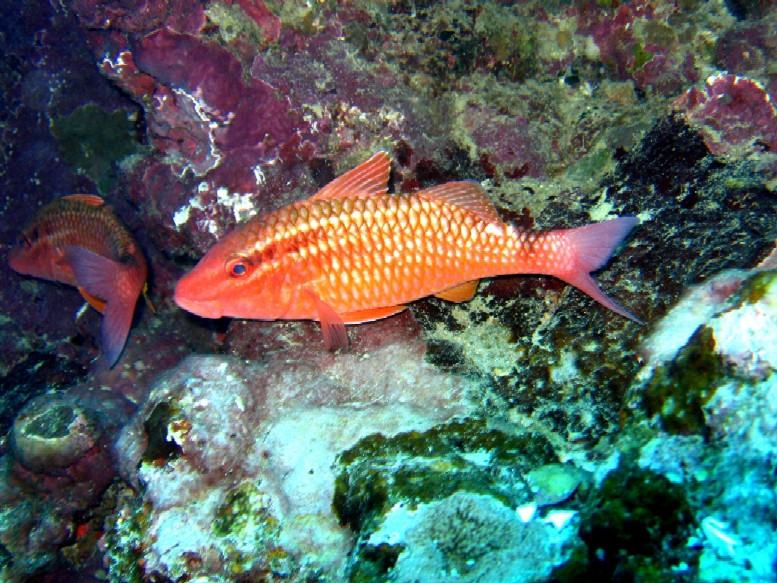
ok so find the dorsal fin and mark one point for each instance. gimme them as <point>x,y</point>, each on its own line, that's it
<point>466,195</point>
<point>369,178</point>
<point>90,199</point>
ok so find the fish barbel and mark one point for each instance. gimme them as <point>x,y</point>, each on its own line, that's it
<point>353,253</point>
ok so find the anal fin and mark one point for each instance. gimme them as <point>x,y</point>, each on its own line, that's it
<point>360,316</point>
<point>459,293</point>
<point>94,301</point>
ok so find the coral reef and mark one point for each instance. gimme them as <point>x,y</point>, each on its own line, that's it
<point>239,457</point>
<point>467,537</point>
<point>733,114</point>
<point>58,466</point>
<point>525,431</point>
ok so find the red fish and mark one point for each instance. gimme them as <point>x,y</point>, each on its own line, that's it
<point>78,241</point>
<point>353,253</point>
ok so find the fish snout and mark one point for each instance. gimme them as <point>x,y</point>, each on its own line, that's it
<point>188,297</point>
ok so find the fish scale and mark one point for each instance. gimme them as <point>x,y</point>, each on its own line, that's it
<point>62,224</point>
<point>353,253</point>
<point>392,248</point>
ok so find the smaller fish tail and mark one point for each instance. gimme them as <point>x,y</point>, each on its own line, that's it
<point>114,330</point>
<point>593,247</point>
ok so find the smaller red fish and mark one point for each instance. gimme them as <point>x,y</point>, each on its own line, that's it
<point>77,241</point>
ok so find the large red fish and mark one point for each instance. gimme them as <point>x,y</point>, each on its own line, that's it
<point>353,253</point>
<point>78,241</point>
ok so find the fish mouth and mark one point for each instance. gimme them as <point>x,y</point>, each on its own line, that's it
<point>202,308</point>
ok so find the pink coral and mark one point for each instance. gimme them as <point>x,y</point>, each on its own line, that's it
<point>734,115</point>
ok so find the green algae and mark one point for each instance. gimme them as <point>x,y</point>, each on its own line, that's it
<point>641,57</point>
<point>94,142</point>
<point>422,466</point>
<point>51,423</point>
<point>758,286</point>
<point>126,536</point>
<point>244,509</point>
<point>636,527</point>
<point>374,562</point>
<point>679,390</point>
<point>509,40</point>
<point>233,24</point>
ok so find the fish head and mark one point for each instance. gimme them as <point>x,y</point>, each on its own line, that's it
<point>233,280</point>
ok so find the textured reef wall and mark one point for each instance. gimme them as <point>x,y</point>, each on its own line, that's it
<point>526,435</point>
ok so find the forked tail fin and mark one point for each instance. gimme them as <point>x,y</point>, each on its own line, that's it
<point>593,246</point>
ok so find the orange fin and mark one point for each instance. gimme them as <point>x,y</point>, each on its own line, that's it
<point>369,315</point>
<point>94,301</point>
<point>97,274</point>
<point>460,293</point>
<point>469,196</point>
<point>332,325</point>
<point>90,199</point>
<point>593,245</point>
<point>369,178</point>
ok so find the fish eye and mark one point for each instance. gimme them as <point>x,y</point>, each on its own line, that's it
<point>23,243</point>
<point>237,267</point>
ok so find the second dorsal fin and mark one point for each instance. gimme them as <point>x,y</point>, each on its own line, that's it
<point>466,195</point>
<point>370,178</point>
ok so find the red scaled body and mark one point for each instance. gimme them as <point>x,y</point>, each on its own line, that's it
<point>77,241</point>
<point>353,253</point>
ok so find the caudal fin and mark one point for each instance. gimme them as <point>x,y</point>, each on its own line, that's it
<point>102,277</point>
<point>594,245</point>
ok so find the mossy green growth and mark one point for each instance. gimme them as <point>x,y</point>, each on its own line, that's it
<point>678,390</point>
<point>416,467</point>
<point>637,526</point>
<point>758,286</point>
<point>94,142</point>
<point>509,39</point>
<point>234,24</point>
<point>641,56</point>
<point>52,423</point>
<point>374,563</point>
<point>6,559</point>
<point>244,510</point>
<point>125,536</point>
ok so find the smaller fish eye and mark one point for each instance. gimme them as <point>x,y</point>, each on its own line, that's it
<point>23,243</point>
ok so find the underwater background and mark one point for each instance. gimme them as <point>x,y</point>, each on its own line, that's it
<point>526,435</point>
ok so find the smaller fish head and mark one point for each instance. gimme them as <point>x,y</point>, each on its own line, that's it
<point>31,255</point>
<point>20,255</point>
<point>236,283</point>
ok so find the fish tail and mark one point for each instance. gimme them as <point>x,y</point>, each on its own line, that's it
<point>108,280</point>
<point>593,246</point>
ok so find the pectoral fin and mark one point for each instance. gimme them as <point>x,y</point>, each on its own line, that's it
<point>332,325</point>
